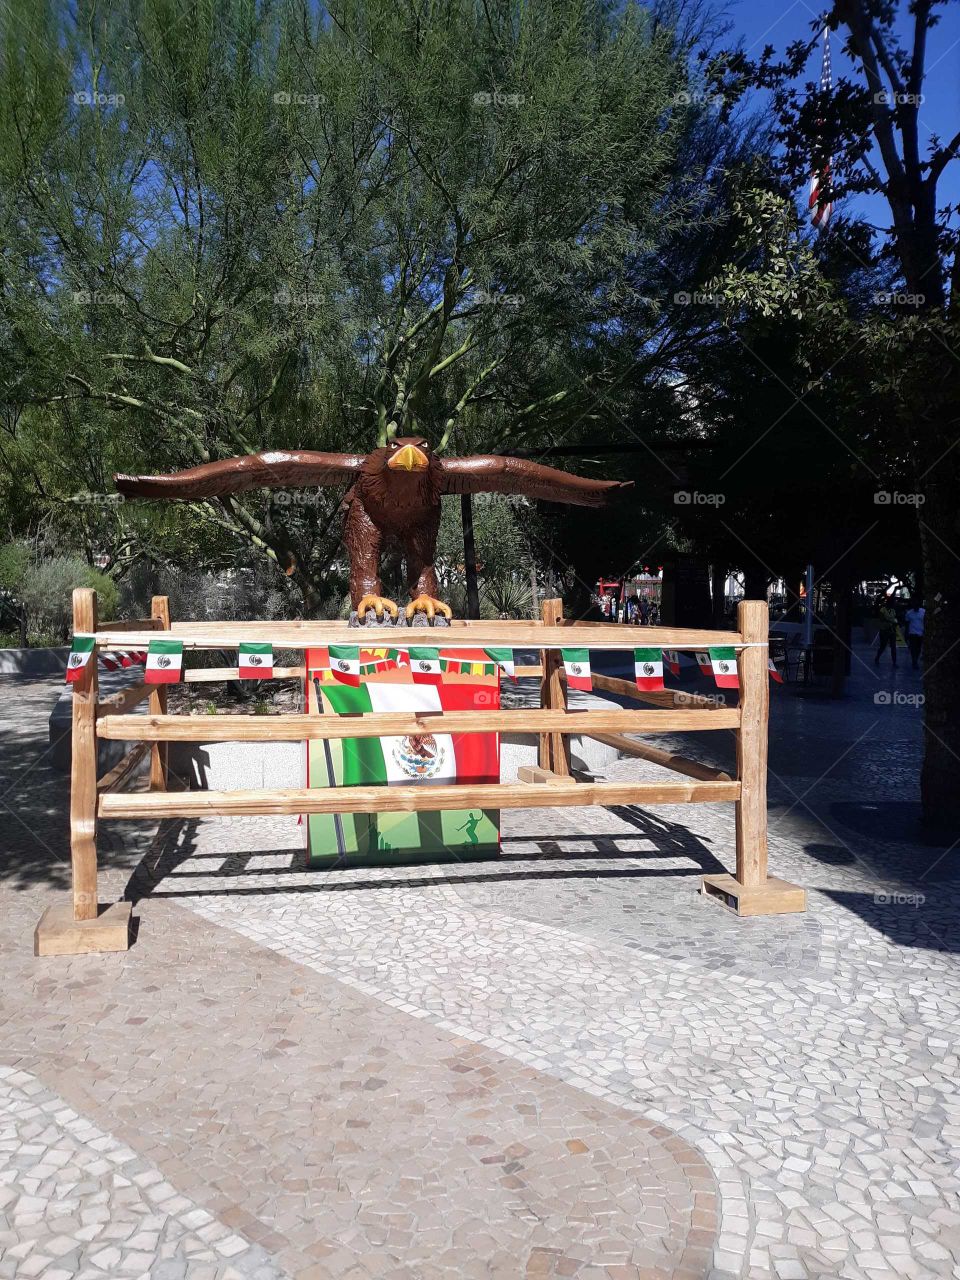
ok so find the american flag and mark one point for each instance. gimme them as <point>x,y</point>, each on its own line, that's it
<point>820,207</point>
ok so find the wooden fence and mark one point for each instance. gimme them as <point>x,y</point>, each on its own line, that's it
<point>87,925</point>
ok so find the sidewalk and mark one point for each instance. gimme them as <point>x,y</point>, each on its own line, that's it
<point>562,1062</point>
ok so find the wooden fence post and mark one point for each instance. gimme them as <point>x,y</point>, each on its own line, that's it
<point>554,747</point>
<point>159,609</point>
<point>752,891</point>
<point>83,926</point>
<point>83,767</point>
<point>753,624</point>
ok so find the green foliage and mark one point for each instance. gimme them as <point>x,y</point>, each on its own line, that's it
<point>231,227</point>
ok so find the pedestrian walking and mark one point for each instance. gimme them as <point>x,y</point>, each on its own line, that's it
<point>914,620</point>
<point>887,631</point>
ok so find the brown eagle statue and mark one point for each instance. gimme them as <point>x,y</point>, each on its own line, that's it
<point>394,496</point>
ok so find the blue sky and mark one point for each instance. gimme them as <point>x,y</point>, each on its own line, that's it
<point>779,22</point>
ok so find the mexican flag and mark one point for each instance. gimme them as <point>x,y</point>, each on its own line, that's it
<point>164,662</point>
<point>425,665</point>
<point>672,658</point>
<point>723,663</point>
<point>504,660</point>
<point>255,661</point>
<point>774,672</point>
<point>576,663</point>
<point>648,668</point>
<point>79,657</point>
<point>424,757</point>
<point>345,664</point>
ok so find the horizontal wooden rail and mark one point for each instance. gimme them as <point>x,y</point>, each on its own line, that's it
<point>668,760</point>
<point>125,700</point>
<point>123,770</point>
<point>655,697</point>
<point>133,624</point>
<point>474,635</point>
<point>205,675</point>
<point>300,728</point>
<point>413,799</point>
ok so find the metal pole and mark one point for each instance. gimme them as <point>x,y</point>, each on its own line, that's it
<point>470,556</point>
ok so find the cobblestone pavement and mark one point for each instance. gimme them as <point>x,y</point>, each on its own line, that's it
<point>559,1062</point>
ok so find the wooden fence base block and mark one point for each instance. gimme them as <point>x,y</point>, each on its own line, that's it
<point>773,898</point>
<point>533,774</point>
<point>58,934</point>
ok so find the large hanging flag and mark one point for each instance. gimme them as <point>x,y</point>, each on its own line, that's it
<point>819,202</point>
<point>79,657</point>
<point>421,757</point>
<point>164,662</point>
<point>672,658</point>
<point>774,671</point>
<point>576,663</point>
<point>504,660</point>
<point>723,664</point>
<point>425,665</point>
<point>648,668</point>
<point>255,660</point>
<point>345,663</point>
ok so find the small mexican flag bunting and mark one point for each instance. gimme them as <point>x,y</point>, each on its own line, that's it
<point>79,657</point>
<point>672,658</point>
<point>774,671</point>
<point>576,663</point>
<point>256,660</point>
<point>345,664</point>
<point>425,665</point>
<point>504,660</point>
<point>164,662</point>
<point>648,668</point>
<point>723,663</point>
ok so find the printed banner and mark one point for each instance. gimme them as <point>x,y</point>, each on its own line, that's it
<point>359,839</point>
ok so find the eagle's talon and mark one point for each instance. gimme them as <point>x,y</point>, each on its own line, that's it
<point>429,607</point>
<point>378,604</point>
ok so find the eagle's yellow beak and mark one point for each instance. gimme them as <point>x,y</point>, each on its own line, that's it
<point>409,458</point>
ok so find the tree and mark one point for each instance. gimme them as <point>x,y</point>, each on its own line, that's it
<point>232,227</point>
<point>871,127</point>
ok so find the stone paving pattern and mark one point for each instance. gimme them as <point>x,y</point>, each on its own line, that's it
<point>560,1062</point>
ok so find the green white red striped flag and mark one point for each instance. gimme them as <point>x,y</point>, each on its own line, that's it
<point>164,662</point>
<point>255,661</point>
<point>723,663</point>
<point>774,671</point>
<point>504,660</point>
<point>345,663</point>
<point>672,658</point>
<point>648,668</point>
<point>576,663</point>
<point>425,665</point>
<point>79,658</point>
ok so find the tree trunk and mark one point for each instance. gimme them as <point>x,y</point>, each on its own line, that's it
<point>470,556</point>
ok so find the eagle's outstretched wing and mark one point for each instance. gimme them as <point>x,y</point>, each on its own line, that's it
<point>299,469</point>
<point>494,474</point>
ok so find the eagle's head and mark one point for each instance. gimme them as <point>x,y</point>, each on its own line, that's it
<point>406,468</point>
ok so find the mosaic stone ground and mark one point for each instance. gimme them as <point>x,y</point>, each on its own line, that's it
<point>559,1062</point>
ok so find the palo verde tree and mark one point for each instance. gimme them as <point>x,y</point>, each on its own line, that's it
<point>235,226</point>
